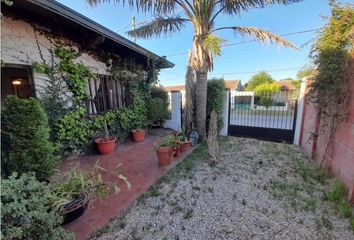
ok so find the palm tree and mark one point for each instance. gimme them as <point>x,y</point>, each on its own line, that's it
<point>202,14</point>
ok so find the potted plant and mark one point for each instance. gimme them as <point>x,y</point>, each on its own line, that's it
<point>164,150</point>
<point>71,196</point>
<point>184,142</point>
<point>106,144</point>
<point>179,140</point>
<point>139,129</point>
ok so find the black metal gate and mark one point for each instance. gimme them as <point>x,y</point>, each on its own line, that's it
<point>265,115</point>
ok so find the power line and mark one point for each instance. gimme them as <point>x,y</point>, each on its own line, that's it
<point>253,40</point>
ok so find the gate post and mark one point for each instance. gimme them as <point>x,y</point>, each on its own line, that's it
<point>225,115</point>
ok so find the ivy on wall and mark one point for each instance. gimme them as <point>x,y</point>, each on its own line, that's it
<point>331,86</point>
<point>75,130</point>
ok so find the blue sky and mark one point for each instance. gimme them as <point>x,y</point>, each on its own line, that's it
<point>240,61</point>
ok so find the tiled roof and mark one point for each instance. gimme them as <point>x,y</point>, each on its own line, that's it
<point>286,85</point>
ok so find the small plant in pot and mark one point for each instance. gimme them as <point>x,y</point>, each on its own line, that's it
<point>184,142</point>
<point>106,144</point>
<point>70,196</point>
<point>164,150</point>
<point>138,131</point>
<point>179,140</point>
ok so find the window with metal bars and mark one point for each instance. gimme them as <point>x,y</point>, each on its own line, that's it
<point>106,93</point>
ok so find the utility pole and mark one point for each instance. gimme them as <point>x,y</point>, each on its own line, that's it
<point>133,26</point>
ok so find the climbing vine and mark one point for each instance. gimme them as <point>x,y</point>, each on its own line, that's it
<point>331,86</point>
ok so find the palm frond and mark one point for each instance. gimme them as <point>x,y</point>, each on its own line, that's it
<point>159,26</point>
<point>155,6</point>
<point>238,6</point>
<point>260,35</point>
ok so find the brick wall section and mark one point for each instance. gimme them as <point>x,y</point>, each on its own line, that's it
<point>341,163</point>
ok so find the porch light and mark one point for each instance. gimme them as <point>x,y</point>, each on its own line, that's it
<point>16,82</point>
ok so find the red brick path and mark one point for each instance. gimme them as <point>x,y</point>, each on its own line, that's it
<point>139,165</point>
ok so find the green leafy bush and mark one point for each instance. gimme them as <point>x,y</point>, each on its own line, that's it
<point>267,89</point>
<point>25,139</point>
<point>25,212</point>
<point>266,92</point>
<point>158,110</point>
<point>74,130</point>
<point>216,99</point>
<point>138,109</point>
<point>158,92</point>
<point>258,79</point>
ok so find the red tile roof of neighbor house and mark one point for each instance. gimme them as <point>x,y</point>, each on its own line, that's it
<point>286,85</point>
<point>230,84</point>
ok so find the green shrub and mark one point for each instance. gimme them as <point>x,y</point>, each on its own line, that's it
<point>138,109</point>
<point>158,110</point>
<point>26,146</point>
<point>25,212</point>
<point>337,192</point>
<point>216,99</point>
<point>158,92</point>
<point>74,131</point>
<point>266,90</point>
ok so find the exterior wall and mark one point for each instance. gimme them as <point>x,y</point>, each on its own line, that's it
<point>225,129</point>
<point>175,122</point>
<point>341,161</point>
<point>19,46</point>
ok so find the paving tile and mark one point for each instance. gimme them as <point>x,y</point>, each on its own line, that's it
<point>139,165</point>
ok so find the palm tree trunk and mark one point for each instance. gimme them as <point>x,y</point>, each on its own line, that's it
<point>189,107</point>
<point>201,100</point>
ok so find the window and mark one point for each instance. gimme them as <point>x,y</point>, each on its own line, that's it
<point>106,93</point>
<point>16,80</point>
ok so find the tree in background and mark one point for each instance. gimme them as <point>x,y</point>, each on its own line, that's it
<point>202,14</point>
<point>266,92</point>
<point>259,79</point>
<point>305,71</point>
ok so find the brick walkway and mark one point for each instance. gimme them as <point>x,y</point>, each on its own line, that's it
<point>139,165</point>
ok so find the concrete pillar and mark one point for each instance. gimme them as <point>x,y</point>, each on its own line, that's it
<point>225,115</point>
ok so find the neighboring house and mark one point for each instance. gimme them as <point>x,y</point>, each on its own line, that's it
<point>233,85</point>
<point>31,28</point>
<point>286,86</point>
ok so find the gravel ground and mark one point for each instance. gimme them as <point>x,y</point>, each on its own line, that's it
<point>259,190</point>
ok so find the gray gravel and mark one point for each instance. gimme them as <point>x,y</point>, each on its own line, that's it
<point>235,200</point>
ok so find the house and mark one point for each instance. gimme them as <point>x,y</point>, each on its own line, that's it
<point>233,85</point>
<point>31,29</point>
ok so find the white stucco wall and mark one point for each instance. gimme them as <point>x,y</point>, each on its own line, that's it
<point>19,46</point>
<point>175,122</point>
<point>225,129</point>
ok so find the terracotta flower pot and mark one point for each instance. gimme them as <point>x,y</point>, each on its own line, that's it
<point>185,146</point>
<point>138,135</point>
<point>177,151</point>
<point>104,146</point>
<point>165,155</point>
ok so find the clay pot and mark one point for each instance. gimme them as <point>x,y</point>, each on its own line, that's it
<point>185,146</point>
<point>138,135</point>
<point>165,155</point>
<point>177,151</point>
<point>106,146</point>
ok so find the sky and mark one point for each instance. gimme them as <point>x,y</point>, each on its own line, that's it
<point>240,61</point>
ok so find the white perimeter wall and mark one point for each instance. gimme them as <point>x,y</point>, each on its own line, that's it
<point>175,122</point>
